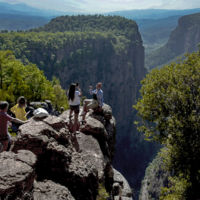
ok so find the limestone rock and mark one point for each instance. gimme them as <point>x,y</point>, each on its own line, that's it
<point>118,178</point>
<point>111,131</point>
<point>107,111</point>
<point>93,126</point>
<point>90,151</point>
<point>17,173</point>
<point>64,166</point>
<point>123,198</point>
<point>48,190</point>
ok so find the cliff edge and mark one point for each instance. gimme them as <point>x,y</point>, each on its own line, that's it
<point>47,162</point>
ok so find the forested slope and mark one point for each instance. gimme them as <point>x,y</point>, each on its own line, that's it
<point>183,39</point>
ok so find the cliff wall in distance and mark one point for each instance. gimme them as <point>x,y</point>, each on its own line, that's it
<point>183,39</point>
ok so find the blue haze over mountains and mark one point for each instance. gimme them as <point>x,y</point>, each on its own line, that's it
<point>155,25</point>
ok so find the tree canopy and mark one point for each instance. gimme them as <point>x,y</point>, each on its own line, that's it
<point>170,111</point>
<point>17,80</point>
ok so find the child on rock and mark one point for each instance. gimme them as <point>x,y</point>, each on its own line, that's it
<point>19,111</point>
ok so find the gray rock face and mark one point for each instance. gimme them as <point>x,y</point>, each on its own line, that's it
<point>118,178</point>
<point>48,190</point>
<point>90,151</point>
<point>61,165</point>
<point>16,173</point>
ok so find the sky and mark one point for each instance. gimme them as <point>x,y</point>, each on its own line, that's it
<point>104,6</point>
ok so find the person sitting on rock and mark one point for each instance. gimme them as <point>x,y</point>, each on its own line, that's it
<point>97,100</point>
<point>4,120</point>
<point>19,111</point>
<point>74,102</point>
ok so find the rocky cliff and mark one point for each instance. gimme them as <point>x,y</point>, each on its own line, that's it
<point>155,178</point>
<point>183,39</point>
<point>186,36</point>
<point>48,162</point>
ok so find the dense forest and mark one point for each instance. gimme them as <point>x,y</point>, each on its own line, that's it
<point>117,33</point>
<point>119,26</point>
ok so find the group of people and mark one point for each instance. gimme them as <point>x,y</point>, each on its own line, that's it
<point>21,116</point>
<point>74,102</point>
<point>6,120</point>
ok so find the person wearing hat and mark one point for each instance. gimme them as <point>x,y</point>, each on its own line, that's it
<point>97,100</point>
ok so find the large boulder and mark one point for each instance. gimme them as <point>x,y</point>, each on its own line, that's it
<point>50,140</point>
<point>118,178</point>
<point>48,190</point>
<point>17,173</point>
<point>90,151</point>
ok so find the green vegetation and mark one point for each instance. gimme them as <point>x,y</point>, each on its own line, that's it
<point>119,26</point>
<point>158,57</point>
<point>169,108</point>
<point>26,44</point>
<point>17,80</point>
<point>102,194</point>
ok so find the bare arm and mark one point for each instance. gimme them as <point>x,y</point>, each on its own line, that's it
<point>18,121</point>
<point>81,93</point>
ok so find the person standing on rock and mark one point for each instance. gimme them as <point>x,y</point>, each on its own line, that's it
<point>97,100</point>
<point>4,120</point>
<point>19,111</point>
<point>74,102</point>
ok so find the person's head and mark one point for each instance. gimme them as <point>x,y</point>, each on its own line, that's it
<point>21,101</point>
<point>98,86</point>
<point>4,106</point>
<point>71,92</point>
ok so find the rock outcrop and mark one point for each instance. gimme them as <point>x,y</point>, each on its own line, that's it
<point>184,38</point>
<point>155,178</point>
<point>47,162</point>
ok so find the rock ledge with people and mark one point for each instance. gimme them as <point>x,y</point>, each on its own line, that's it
<point>46,161</point>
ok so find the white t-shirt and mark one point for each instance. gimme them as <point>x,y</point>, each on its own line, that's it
<point>76,100</point>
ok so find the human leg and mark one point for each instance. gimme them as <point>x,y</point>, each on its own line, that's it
<point>75,122</point>
<point>92,104</point>
<point>5,145</point>
<point>9,142</point>
<point>85,103</point>
<point>70,114</point>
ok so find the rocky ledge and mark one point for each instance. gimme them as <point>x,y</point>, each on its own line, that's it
<point>47,162</point>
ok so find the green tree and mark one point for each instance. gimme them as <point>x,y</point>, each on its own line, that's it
<point>19,80</point>
<point>170,111</point>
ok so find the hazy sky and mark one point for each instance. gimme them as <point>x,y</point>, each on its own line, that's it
<point>101,6</point>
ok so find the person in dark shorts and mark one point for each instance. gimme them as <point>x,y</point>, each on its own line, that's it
<point>74,103</point>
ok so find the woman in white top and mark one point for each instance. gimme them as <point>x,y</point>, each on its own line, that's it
<point>74,102</point>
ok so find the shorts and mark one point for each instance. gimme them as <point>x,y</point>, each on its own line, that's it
<point>75,109</point>
<point>93,104</point>
<point>4,138</point>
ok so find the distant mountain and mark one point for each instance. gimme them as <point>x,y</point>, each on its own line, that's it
<point>183,39</point>
<point>24,9</point>
<point>21,22</point>
<point>145,24</point>
<point>152,13</point>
